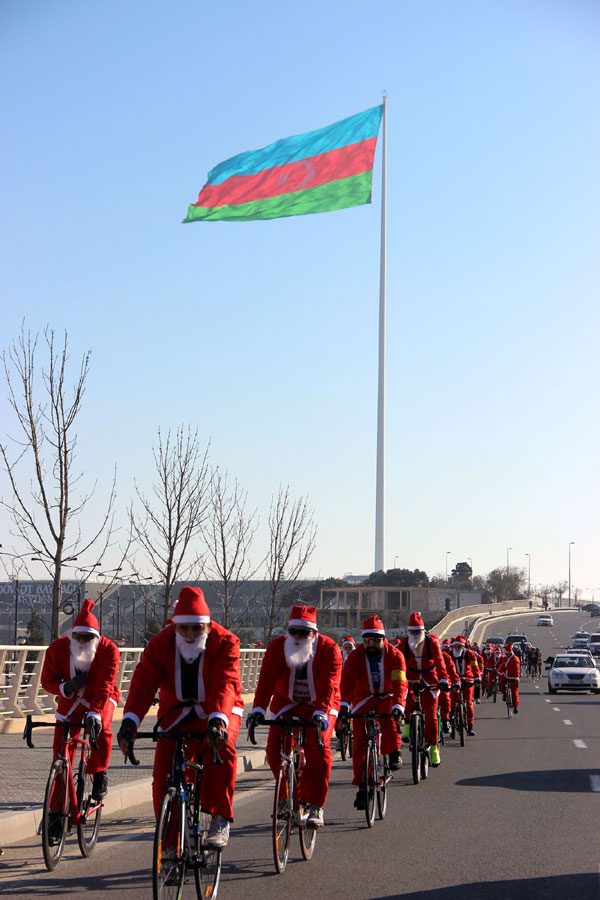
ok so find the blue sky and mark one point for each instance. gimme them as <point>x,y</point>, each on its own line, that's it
<point>264,334</point>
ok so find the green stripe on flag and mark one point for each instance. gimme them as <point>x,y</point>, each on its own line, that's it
<point>352,191</point>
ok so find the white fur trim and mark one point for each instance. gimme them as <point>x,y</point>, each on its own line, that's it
<point>259,709</point>
<point>85,629</point>
<point>191,620</point>
<point>133,718</point>
<point>379,631</point>
<point>221,716</point>
<point>94,715</point>
<point>302,623</point>
<point>237,711</point>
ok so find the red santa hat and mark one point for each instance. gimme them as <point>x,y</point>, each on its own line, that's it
<point>373,625</point>
<point>86,622</point>
<point>459,641</point>
<point>415,623</point>
<point>508,648</point>
<point>348,639</point>
<point>191,607</point>
<point>303,617</point>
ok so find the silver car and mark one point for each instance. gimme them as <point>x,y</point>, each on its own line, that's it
<point>573,672</point>
<point>580,639</point>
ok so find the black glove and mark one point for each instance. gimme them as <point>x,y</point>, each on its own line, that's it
<point>127,732</point>
<point>444,686</point>
<point>344,714</point>
<point>74,684</point>
<point>94,727</point>
<point>254,719</point>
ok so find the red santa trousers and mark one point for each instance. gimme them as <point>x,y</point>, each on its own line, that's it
<point>429,703</point>
<point>317,769</point>
<point>98,759</point>
<point>218,782</point>
<point>467,692</point>
<point>390,739</point>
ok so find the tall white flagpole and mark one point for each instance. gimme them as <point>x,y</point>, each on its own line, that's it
<point>380,487</point>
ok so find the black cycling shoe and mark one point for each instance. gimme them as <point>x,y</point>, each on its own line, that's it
<point>100,786</point>
<point>360,801</point>
<point>445,726</point>
<point>470,732</point>
<point>395,760</point>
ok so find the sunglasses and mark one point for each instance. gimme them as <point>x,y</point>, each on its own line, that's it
<point>300,632</point>
<point>370,639</point>
<point>83,637</point>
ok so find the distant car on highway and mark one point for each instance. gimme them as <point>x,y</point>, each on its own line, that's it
<point>594,645</point>
<point>496,641</point>
<point>573,672</point>
<point>545,619</point>
<point>595,613</point>
<point>580,639</point>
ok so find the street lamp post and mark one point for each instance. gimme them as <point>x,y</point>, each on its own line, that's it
<point>570,543</point>
<point>508,549</point>
<point>528,555</point>
<point>448,552</point>
<point>395,558</point>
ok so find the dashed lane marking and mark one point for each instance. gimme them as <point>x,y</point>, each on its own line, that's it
<point>581,745</point>
<point>556,708</point>
<point>548,701</point>
<point>567,721</point>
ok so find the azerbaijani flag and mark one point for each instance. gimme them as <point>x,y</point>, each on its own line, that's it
<point>330,168</point>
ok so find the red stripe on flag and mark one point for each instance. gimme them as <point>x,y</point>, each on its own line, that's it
<point>296,176</point>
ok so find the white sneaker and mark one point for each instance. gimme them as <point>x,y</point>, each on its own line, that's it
<point>315,817</point>
<point>218,833</point>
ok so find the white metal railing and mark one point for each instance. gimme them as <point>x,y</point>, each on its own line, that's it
<point>21,670</point>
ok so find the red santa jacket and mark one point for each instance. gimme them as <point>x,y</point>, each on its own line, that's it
<point>512,667</point>
<point>357,682</point>
<point>453,675</point>
<point>219,690</point>
<point>488,658</point>
<point>466,666</point>
<point>275,687</point>
<point>428,668</point>
<point>101,683</point>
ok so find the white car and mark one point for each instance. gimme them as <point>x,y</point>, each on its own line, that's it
<point>580,639</point>
<point>545,619</point>
<point>573,672</point>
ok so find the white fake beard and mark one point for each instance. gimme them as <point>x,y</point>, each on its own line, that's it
<point>346,654</point>
<point>191,651</point>
<point>83,654</point>
<point>457,653</point>
<point>298,652</point>
<point>415,642</point>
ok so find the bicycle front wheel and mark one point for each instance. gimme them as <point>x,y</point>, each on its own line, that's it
<point>344,743</point>
<point>89,810</point>
<point>55,816</point>
<point>308,839</point>
<point>416,741</point>
<point>168,866</point>
<point>282,819</point>
<point>384,776</point>
<point>460,722</point>
<point>508,700</point>
<point>370,782</point>
<point>207,862</point>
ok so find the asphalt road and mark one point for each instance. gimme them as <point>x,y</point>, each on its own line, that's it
<point>512,816</point>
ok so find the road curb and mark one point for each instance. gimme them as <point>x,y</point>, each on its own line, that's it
<point>20,825</point>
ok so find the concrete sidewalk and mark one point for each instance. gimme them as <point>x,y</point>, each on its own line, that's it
<point>24,773</point>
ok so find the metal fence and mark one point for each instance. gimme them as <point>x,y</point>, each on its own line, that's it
<point>21,670</point>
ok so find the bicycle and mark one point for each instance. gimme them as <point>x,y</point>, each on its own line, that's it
<point>67,802</point>
<point>288,808</point>
<point>458,718</point>
<point>346,740</point>
<point>417,746</point>
<point>509,700</point>
<point>181,827</point>
<point>376,773</point>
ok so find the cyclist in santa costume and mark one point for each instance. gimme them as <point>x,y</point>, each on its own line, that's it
<point>81,670</point>
<point>300,676</point>
<point>194,665</point>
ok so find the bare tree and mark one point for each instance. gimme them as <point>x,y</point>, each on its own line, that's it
<point>292,541</point>
<point>46,513</point>
<point>173,517</point>
<point>228,535</point>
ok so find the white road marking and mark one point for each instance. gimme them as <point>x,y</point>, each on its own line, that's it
<point>548,701</point>
<point>581,745</point>
<point>556,708</point>
<point>567,721</point>
<point>595,780</point>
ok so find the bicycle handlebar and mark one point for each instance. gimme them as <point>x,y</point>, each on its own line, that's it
<point>397,717</point>
<point>212,733</point>
<point>287,723</point>
<point>64,724</point>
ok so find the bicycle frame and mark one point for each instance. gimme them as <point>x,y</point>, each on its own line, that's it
<point>377,773</point>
